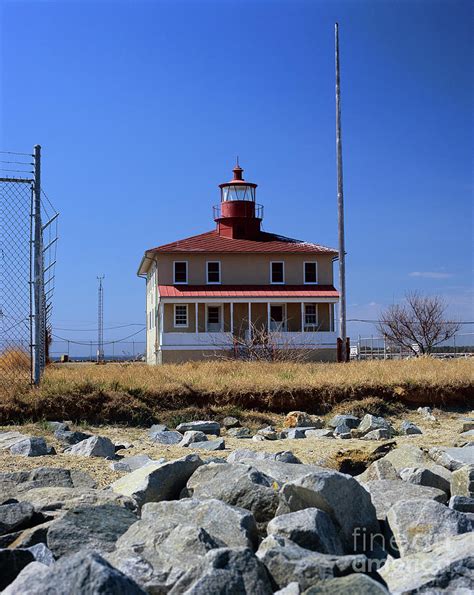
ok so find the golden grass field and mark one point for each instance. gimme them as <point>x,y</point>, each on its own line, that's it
<point>138,394</point>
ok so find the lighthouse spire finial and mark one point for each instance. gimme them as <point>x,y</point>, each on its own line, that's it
<point>237,171</point>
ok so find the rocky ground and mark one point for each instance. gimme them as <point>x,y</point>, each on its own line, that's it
<point>306,505</point>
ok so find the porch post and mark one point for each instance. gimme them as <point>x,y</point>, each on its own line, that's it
<point>302,317</point>
<point>268,317</point>
<point>250,319</point>
<point>196,314</point>
<point>231,318</point>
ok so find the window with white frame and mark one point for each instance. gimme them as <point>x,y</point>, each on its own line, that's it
<point>277,272</point>
<point>181,315</point>
<point>213,272</point>
<point>180,272</point>
<point>310,317</point>
<point>311,272</point>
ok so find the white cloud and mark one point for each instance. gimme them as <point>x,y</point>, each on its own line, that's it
<point>431,275</point>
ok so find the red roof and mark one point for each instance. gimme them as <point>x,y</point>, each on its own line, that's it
<point>212,242</point>
<point>225,291</point>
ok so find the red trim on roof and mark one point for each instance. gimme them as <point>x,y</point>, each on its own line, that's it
<point>194,291</point>
<point>212,242</point>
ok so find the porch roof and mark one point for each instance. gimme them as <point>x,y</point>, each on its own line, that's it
<point>248,291</point>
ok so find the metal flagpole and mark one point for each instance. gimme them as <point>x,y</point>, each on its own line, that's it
<point>340,206</point>
<point>38,354</point>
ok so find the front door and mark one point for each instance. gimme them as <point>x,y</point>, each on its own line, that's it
<point>214,323</point>
<point>277,317</point>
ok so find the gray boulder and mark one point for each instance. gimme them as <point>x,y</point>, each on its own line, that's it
<point>167,437</point>
<point>15,516</point>
<point>30,447</point>
<point>319,434</point>
<point>380,434</point>
<point>208,427</point>
<point>453,458</point>
<point>342,429</point>
<point>12,562</point>
<point>290,589</point>
<point>448,567</point>
<point>310,528</point>
<point>223,570</point>
<point>381,469</point>
<point>230,422</point>
<point>66,436</point>
<point>46,500</point>
<point>351,421</point>
<point>386,492</point>
<point>408,455</point>
<point>242,454</point>
<point>408,428</point>
<point>436,477</point>
<point>418,524</point>
<point>129,464</point>
<point>238,485</point>
<point>25,582</point>
<point>89,527</point>
<point>370,423</point>
<point>296,433</point>
<point>281,472</point>
<point>157,481</point>
<point>342,497</point>
<point>8,439</point>
<point>155,428</point>
<point>268,433</point>
<point>462,481</point>
<point>42,554</point>
<point>96,446</point>
<point>353,584</point>
<point>84,573</point>
<point>462,504</point>
<point>218,444</point>
<point>192,436</point>
<point>241,433</point>
<point>287,562</point>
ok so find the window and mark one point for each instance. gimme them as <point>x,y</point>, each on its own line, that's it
<point>310,317</point>
<point>213,319</point>
<point>310,272</point>
<point>277,272</point>
<point>214,272</point>
<point>180,315</point>
<point>180,272</point>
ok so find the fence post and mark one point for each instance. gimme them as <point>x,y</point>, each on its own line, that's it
<point>38,354</point>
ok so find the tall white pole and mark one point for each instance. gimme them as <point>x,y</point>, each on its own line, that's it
<point>340,205</point>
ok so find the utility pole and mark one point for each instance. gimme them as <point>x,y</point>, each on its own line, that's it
<point>39,315</point>
<point>340,207</point>
<point>100,322</point>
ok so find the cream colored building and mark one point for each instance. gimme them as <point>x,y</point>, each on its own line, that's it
<point>235,286</point>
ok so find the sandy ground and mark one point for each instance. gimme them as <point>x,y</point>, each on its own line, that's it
<point>443,432</point>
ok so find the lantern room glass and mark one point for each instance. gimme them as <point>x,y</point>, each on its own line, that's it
<point>238,192</point>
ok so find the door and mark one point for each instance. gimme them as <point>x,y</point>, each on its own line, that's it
<point>214,320</point>
<point>277,317</point>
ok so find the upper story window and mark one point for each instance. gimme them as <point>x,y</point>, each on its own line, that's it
<point>311,272</point>
<point>180,272</point>
<point>213,272</point>
<point>277,272</point>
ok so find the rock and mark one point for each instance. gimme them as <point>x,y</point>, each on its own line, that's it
<point>81,479</point>
<point>319,434</point>
<point>465,439</point>
<point>350,421</point>
<point>54,426</point>
<point>295,433</point>
<point>426,413</point>
<point>370,423</point>
<point>30,447</point>
<point>290,589</point>
<point>342,429</point>
<point>8,439</point>
<point>96,446</point>
<point>84,573</point>
<point>208,427</point>
<point>12,563</point>
<point>133,463</point>
<point>239,433</point>
<point>299,419</point>
<point>269,433</point>
<point>167,437</point>
<point>288,562</point>
<point>447,568</point>
<point>462,503</point>
<point>192,436</point>
<point>70,437</point>
<point>453,458</point>
<point>419,524</point>
<point>284,456</point>
<point>341,496</point>
<point>27,537</point>
<point>157,428</point>
<point>53,499</point>
<point>310,528</point>
<point>436,477</point>
<point>353,584</point>
<point>42,554</point>
<point>408,456</point>
<point>157,481</point>
<point>407,428</point>
<point>462,481</point>
<point>15,516</point>
<point>281,472</point>
<point>467,425</point>
<point>223,570</point>
<point>381,434</point>
<point>238,485</point>
<point>25,582</point>
<point>122,445</point>
<point>230,422</point>
<point>386,492</point>
<point>89,527</point>
<point>258,438</point>
<point>381,469</point>
<point>218,444</point>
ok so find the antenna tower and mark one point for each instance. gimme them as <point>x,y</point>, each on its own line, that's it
<point>100,322</point>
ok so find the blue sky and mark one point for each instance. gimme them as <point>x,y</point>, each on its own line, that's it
<point>141,108</point>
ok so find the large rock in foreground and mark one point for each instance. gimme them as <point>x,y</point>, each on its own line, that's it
<point>453,458</point>
<point>157,481</point>
<point>448,567</point>
<point>352,584</point>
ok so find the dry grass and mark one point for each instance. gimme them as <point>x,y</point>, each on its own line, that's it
<point>139,394</point>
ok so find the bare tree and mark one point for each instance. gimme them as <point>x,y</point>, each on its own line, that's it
<point>418,325</point>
